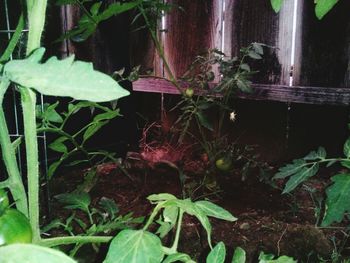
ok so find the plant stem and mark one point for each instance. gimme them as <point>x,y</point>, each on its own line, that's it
<point>36,20</point>
<point>28,101</point>
<point>178,230</point>
<point>153,215</point>
<point>14,40</point>
<point>57,241</point>
<point>14,181</point>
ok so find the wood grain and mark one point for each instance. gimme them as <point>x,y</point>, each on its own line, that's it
<point>191,31</point>
<point>281,93</point>
<point>325,46</point>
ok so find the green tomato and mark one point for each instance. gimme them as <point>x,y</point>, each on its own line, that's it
<point>4,200</point>
<point>189,92</point>
<point>223,164</point>
<point>14,228</point>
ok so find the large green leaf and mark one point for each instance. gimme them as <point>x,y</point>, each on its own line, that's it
<point>67,78</point>
<point>338,196</point>
<point>135,246</point>
<point>323,7</point>
<point>214,210</point>
<point>217,254</point>
<point>28,253</point>
<point>300,177</point>
<point>239,256</point>
<point>276,5</point>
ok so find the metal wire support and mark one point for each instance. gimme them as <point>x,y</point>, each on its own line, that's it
<point>12,108</point>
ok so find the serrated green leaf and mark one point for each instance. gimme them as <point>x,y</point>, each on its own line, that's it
<point>315,155</point>
<point>67,78</point>
<point>135,246</point>
<point>338,196</point>
<point>276,5</point>
<point>214,210</point>
<point>300,177</point>
<point>29,253</point>
<point>58,145</point>
<point>239,256</point>
<point>323,7</point>
<point>290,169</point>
<point>93,128</point>
<point>346,164</point>
<point>106,116</point>
<point>178,257</point>
<point>75,200</point>
<point>217,254</point>
<point>347,148</point>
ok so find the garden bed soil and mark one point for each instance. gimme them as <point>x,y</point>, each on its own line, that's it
<point>267,221</point>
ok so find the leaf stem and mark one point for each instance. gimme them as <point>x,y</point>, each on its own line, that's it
<point>178,230</point>
<point>57,241</point>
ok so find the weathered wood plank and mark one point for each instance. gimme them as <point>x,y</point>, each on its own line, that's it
<point>326,42</point>
<point>190,31</point>
<point>282,93</point>
<point>248,21</point>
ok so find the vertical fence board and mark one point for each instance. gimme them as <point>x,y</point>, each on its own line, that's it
<point>191,31</point>
<point>325,51</point>
<point>248,21</point>
<point>142,49</point>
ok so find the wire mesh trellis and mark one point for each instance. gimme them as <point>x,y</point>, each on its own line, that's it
<point>9,14</point>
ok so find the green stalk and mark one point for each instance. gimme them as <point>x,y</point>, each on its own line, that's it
<point>28,100</point>
<point>178,230</point>
<point>36,20</point>
<point>14,181</point>
<point>57,241</point>
<point>14,40</point>
<point>36,12</point>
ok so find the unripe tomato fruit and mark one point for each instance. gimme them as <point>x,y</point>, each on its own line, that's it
<point>14,227</point>
<point>223,164</point>
<point>189,92</point>
<point>4,200</point>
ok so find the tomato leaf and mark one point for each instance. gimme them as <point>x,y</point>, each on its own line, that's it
<point>32,254</point>
<point>239,256</point>
<point>131,246</point>
<point>276,5</point>
<point>323,7</point>
<point>338,196</point>
<point>213,210</point>
<point>65,77</point>
<point>217,254</point>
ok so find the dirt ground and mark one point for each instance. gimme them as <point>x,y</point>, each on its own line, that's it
<point>267,221</point>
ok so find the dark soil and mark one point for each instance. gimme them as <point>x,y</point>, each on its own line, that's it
<point>267,221</point>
